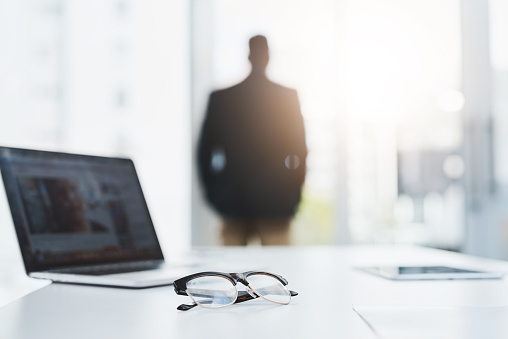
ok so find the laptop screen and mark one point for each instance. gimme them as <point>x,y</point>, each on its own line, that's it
<point>73,209</point>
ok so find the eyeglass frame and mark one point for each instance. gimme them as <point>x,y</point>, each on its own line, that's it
<point>180,286</point>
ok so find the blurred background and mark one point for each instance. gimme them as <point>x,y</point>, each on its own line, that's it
<point>404,103</point>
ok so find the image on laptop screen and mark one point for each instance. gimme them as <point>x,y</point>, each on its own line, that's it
<point>74,209</point>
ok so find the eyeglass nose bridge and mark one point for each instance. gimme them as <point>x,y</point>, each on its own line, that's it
<point>240,277</point>
<point>243,281</point>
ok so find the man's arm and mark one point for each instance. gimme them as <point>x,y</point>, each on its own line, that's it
<point>207,140</point>
<point>298,138</point>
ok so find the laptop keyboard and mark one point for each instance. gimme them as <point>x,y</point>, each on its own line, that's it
<point>110,268</point>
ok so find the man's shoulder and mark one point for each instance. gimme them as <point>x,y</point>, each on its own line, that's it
<point>225,91</point>
<point>245,86</point>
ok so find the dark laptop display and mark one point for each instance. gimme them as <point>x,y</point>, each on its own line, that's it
<point>73,209</point>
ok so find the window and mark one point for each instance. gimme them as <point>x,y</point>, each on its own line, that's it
<point>379,85</point>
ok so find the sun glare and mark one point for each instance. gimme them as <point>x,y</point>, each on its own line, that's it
<point>392,57</point>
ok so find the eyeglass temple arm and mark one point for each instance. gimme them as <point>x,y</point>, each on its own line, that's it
<point>242,296</point>
<point>186,307</point>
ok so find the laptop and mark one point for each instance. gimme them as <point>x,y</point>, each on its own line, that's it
<point>83,219</point>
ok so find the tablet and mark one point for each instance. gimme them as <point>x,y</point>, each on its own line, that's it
<point>429,273</point>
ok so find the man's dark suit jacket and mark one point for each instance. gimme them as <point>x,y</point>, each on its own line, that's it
<point>255,125</point>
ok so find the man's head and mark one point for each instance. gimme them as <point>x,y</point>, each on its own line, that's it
<point>258,55</point>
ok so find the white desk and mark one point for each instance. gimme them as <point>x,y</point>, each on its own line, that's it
<point>327,286</point>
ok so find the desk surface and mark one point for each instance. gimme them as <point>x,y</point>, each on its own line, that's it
<point>321,309</point>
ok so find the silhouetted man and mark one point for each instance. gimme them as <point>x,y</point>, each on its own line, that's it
<point>252,155</point>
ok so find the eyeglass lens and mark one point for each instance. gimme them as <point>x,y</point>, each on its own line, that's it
<point>269,288</point>
<point>212,291</point>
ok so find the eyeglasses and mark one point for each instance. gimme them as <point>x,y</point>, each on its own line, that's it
<point>215,289</point>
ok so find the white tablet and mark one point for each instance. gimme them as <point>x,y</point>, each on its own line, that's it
<point>429,273</point>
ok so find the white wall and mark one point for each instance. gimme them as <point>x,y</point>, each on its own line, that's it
<point>96,49</point>
<point>162,125</point>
